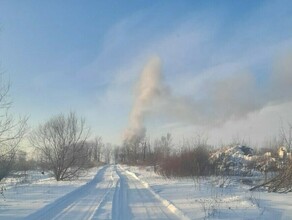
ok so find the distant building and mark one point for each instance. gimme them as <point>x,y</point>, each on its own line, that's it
<point>282,152</point>
<point>268,154</point>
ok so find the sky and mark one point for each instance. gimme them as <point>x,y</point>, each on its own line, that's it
<point>87,57</point>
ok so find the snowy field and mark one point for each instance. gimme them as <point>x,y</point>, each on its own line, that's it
<point>24,196</point>
<point>115,192</point>
<point>216,198</point>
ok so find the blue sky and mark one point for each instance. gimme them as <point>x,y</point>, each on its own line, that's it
<point>86,56</point>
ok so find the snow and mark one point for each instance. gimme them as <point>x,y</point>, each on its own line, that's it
<point>28,194</point>
<point>204,198</point>
<point>124,192</point>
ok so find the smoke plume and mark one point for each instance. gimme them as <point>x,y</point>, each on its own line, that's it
<point>219,100</point>
<point>148,89</point>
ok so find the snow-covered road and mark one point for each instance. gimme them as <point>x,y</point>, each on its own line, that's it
<point>113,194</point>
<point>131,192</point>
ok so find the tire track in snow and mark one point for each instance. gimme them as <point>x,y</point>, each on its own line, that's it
<point>107,201</point>
<point>141,203</point>
<point>82,203</point>
<point>120,208</point>
<point>171,207</point>
<point>93,207</point>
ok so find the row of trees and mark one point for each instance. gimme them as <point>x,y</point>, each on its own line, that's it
<point>191,158</point>
<point>143,152</point>
<point>61,143</point>
<point>12,131</point>
<point>194,158</point>
<point>63,147</point>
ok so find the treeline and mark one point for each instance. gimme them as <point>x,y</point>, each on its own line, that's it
<point>61,145</point>
<point>196,157</point>
<point>191,158</point>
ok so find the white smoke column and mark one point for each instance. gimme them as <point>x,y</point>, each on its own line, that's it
<point>148,89</point>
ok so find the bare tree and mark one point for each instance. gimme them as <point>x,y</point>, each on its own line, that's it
<point>162,148</point>
<point>12,131</point>
<point>133,150</point>
<point>116,154</point>
<point>107,153</point>
<point>61,144</point>
<point>97,149</point>
<point>282,182</point>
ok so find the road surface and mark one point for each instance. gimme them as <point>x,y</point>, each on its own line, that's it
<point>112,194</point>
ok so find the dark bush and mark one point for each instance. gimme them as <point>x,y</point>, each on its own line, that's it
<point>188,162</point>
